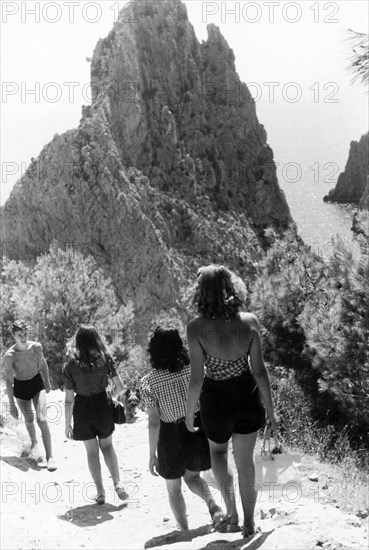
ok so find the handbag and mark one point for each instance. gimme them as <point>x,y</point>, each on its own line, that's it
<point>119,413</point>
<point>277,471</point>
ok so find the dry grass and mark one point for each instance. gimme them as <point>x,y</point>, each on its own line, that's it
<point>343,485</point>
<point>343,472</point>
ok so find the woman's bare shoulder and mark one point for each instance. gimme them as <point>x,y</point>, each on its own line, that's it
<point>195,325</point>
<point>249,319</point>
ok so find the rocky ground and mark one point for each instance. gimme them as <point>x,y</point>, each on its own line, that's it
<point>43,510</point>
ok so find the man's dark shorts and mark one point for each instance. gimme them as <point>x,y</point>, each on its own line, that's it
<point>27,389</point>
<point>180,450</point>
<point>92,417</point>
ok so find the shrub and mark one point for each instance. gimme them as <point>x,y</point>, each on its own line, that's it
<point>299,427</point>
<point>315,321</point>
<point>61,291</point>
<point>288,275</point>
<point>337,333</point>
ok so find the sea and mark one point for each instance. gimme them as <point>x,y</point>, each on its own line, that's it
<point>318,222</point>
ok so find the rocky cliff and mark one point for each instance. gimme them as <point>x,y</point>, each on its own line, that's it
<point>351,183</point>
<point>364,201</point>
<point>169,167</point>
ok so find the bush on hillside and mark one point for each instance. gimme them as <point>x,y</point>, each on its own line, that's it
<point>315,321</point>
<point>288,275</point>
<point>337,333</point>
<point>300,429</point>
<point>61,291</point>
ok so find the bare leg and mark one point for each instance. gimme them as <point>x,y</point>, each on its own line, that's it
<point>243,449</point>
<point>92,448</point>
<point>224,477</point>
<point>177,502</point>
<point>198,486</point>
<point>39,402</point>
<point>29,418</point>
<point>110,457</point>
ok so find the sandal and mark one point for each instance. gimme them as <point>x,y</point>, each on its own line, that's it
<point>41,462</point>
<point>100,499</point>
<point>218,517</point>
<point>122,494</point>
<point>247,534</point>
<point>51,465</point>
<point>223,523</point>
<point>231,527</point>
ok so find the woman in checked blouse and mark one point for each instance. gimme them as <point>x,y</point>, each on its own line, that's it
<point>174,451</point>
<point>87,374</point>
<point>227,369</point>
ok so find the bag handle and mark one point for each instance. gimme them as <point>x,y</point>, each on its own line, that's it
<point>266,442</point>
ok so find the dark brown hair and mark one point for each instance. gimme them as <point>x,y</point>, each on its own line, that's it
<point>88,346</point>
<point>167,351</point>
<point>19,325</point>
<point>218,293</point>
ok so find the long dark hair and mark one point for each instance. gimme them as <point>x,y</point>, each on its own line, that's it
<point>166,350</point>
<point>88,346</point>
<point>219,293</point>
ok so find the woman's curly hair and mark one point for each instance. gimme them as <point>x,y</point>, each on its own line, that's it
<point>166,350</point>
<point>218,293</point>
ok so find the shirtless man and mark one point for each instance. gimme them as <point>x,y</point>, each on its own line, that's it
<point>24,362</point>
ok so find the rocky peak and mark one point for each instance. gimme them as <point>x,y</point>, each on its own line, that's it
<point>351,183</point>
<point>169,167</point>
<point>180,113</point>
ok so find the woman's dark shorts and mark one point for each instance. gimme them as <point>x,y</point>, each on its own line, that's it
<point>180,450</point>
<point>92,416</point>
<point>231,406</point>
<point>27,389</point>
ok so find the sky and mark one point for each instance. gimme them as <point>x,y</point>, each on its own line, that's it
<point>292,55</point>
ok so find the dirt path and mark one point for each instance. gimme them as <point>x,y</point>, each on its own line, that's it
<point>43,510</point>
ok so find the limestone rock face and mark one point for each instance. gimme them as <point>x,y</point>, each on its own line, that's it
<point>181,114</point>
<point>79,194</point>
<point>351,183</point>
<point>364,201</point>
<point>168,169</point>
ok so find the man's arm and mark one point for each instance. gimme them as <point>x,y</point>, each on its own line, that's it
<point>197,374</point>
<point>42,366</point>
<point>154,428</point>
<point>9,376</point>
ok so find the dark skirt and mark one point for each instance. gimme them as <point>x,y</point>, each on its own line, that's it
<point>231,406</point>
<point>92,417</point>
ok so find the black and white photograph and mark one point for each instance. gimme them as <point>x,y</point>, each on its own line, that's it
<point>184,275</point>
